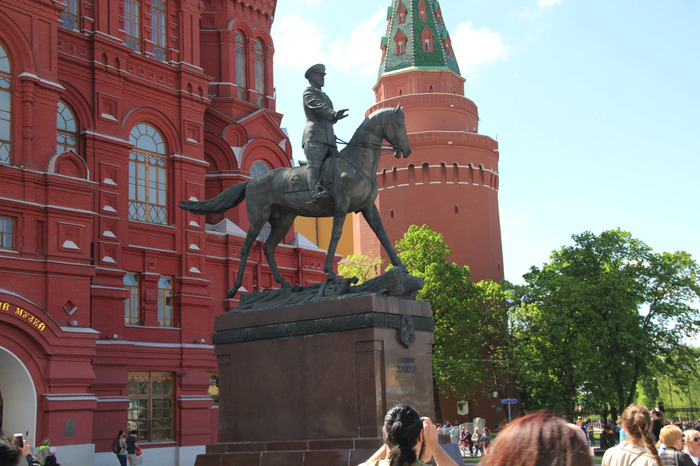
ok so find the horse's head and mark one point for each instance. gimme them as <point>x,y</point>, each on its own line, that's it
<point>395,132</point>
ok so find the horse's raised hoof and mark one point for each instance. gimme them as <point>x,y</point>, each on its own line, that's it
<point>232,292</point>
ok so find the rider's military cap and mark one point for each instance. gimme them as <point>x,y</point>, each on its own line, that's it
<point>318,68</point>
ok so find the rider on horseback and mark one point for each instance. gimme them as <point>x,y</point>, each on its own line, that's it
<point>319,139</point>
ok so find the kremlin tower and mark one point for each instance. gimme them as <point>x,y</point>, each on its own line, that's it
<point>450,182</point>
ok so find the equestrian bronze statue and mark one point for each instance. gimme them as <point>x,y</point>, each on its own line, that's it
<point>280,195</point>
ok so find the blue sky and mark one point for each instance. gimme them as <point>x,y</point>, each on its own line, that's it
<point>594,103</point>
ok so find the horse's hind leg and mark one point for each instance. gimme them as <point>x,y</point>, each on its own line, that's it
<point>279,226</point>
<point>251,236</point>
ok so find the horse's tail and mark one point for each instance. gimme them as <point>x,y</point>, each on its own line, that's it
<point>229,197</point>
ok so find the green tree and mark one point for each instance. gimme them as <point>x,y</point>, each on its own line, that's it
<point>458,309</point>
<point>359,265</point>
<point>599,316</point>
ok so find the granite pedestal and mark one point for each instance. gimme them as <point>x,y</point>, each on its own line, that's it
<point>309,384</point>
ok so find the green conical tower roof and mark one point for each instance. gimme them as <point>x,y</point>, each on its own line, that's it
<point>416,38</point>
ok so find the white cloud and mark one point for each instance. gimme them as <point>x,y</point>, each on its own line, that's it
<point>361,54</point>
<point>475,47</point>
<point>298,42</point>
<point>529,13</point>
<point>547,3</point>
<point>511,217</point>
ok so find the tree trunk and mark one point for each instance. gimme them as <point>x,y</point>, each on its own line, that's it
<point>436,401</point>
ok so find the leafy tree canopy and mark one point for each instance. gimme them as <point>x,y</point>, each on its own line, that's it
<point>600,315</point>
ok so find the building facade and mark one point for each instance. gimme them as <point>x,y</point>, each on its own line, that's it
<point>110,113</point>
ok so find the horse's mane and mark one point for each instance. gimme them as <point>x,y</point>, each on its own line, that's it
<point>381,113</point>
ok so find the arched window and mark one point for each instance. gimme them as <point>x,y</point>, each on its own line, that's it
<point>240,64</point>
<point>400,40</point>
<point>5,107</point>
<point>259,72</point>
<point>401,10</point>
<point>132,24</point>
<point>159,20</point>
<point>259,168</point>
<point>147,176</point>
<point>66,130</point>
<point>69,16</point>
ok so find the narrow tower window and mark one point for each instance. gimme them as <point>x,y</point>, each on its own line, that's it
<point>159,15</point>
<point>69,16</point>
<point>259,73</point>
<point>5,107</point>
<point>240,65</point>
<point>132,24</point>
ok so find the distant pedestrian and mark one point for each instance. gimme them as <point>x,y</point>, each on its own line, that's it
<point>119,447</point>
<point>478,442</point>
<point>132,447</point>
<point>43,451</point>
<point>51,459</point>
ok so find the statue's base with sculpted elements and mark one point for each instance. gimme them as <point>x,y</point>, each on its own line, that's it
<point>308,384</point>
<point>394,282</point>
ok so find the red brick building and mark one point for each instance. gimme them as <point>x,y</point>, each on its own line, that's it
<point>110,113</point>
<point>450,181</point>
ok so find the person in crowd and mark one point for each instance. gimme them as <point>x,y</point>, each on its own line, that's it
<point>409,439</point>
<point>591,433</point>
<point>51,459</point>
<point>487,439</point>
<point>477,442</point>
<point>11,452</point>
<point>465,438</point>
<point>673,455</point>
<point>539,439</point>
<point>658,419</point>
<point>622,433</point>
<point>692,444</point>
<point>638,447</point>
<point>120,443</point>
<point>132,446</point>
<point>43,451</point>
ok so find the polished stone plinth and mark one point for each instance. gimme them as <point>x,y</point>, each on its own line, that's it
<point>310,384</point>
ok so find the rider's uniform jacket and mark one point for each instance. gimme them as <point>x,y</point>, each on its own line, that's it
<point>320,117</point>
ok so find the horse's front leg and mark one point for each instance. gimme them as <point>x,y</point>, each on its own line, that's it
<point>338,221</point>
<point>371,215</point>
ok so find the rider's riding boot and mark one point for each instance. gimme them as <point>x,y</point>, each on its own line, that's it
<point>320,192</point>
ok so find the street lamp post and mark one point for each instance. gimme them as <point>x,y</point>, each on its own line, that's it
<point>495,406</point>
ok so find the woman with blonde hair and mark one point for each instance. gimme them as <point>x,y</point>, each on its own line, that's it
<point>692,444</point>
<point>638,447</point>
<point>673,455</point>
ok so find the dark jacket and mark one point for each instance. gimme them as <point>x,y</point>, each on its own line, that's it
<point>320,117</point>
<point>672,457</point>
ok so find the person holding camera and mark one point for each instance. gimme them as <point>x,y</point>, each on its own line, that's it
<point>12,450</point>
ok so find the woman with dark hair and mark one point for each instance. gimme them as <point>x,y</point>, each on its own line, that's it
<point>638,447</point>
<point>120,442</point>
<point>658,420</point>
<point>539,439</point>
<point>409,439</point>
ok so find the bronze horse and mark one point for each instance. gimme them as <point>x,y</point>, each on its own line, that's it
<point>280,195</point>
